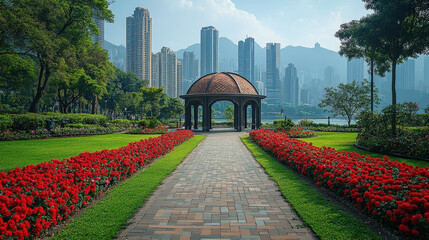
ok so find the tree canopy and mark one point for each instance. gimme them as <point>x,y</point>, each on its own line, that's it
<point>347,100</point>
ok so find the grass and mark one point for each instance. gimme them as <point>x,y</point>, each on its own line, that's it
<point>346,141</point>
<point>327,220</point>
<point>22,153</point>
<point>104,219</point>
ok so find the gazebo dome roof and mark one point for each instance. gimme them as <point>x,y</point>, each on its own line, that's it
<point>222,82</point>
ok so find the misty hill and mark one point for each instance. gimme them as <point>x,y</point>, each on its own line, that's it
<point>117,54</point>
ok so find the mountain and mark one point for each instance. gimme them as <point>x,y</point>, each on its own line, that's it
<point>117,54</point>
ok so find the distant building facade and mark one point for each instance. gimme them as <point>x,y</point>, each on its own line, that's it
<point>209,50</point>
<point>273,73</point>
<point>246,59</point>
<point>167,72</point>
<point>329,77</point>
<point>139,44</point>
<point>426,73</point>
<point>355,70</point>
<point>100,37</point>
<point>406,75</point>
<point>291,86</point>
<point>190,69</point>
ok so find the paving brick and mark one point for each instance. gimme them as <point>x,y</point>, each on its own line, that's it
<point>218,192</point>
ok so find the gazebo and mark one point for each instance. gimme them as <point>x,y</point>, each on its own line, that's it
<point>223,86</point>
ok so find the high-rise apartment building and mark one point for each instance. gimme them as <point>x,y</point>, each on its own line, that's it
<point>426,72</point>
<point>246,59</point>
<point>355,70</point>
<point>100,37</point>
<point>139,44</point>
<point>167,72</point>
<point>291,86</point>
<point>209,50</point>
<point>329,77</point>
<point>156,58</point>
<point>405,75</point>
<point>190,69</point>
<point>273,73</point>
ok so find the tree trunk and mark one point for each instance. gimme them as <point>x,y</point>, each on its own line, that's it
<point>372,84</point>
<point>44,71</point>
<point>394,97</point>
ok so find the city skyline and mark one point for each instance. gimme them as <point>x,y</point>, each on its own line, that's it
<point>307,21</point>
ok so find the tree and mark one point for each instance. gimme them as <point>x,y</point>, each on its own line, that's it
<point>359,40</point>
<point>173,109</point>
<point>229,113</point>
<point>347,100</point>
<point>403,33</point>
<point>44,29</point>
<point>152,99</point>
<point>16,73</point>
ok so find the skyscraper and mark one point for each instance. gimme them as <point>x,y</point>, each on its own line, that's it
<point>190,69</point>
<point>355,70</point>
<point>100,37</point>
<point>329,77</point>
<point>209,50</point>
<point>405,75</point>
<point>273,73</point>
<point>291,91</point>
<point>167,72</point>
<point>246,59</point>
<point>426,71</point>
<point>139,44</point>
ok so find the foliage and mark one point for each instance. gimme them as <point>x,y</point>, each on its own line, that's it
<point>153,100</point>
<point>376,134</point>
<point>347,100</point>
<point>229,113</point>
<point>402,32</point>
<point>173,109</point>
<point>283,124</point>
<point>27,29</point>
<point>305,122</point>
<point>325,218</point>
<point>393,192</point>
<point>92,174</point>
<point>161,129</point>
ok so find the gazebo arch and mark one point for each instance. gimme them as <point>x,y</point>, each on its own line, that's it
<point>223,86</point>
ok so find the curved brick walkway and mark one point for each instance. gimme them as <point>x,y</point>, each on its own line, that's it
<point>220,191</point>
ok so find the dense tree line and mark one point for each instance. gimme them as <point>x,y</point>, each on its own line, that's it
<point>48,62</point>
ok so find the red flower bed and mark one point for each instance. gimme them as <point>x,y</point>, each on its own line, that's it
<point>37,197</point>
<point>396,193</point>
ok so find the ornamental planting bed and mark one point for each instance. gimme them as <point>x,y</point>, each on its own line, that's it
<point>396,193</point>
<point>37,197</point>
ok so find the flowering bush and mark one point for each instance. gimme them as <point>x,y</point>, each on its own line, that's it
<point>396,193</point>
<point>37,197</point>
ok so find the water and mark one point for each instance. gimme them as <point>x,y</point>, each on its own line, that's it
<point>335,121</point>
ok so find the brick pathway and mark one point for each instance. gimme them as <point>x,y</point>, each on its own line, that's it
<point>220,191</point>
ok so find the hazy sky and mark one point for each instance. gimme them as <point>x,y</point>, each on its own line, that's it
<point>177,23</point>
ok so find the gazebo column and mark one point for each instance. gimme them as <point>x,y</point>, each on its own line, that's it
<point>188,122</point>
<point>253,116</point>
<point>258,115</point>
<point>195,116</point>
<point>245,116</point>
<point>235,116</point>
<point>206,116</point>
<point>210,117</point>
<point>240,119</point>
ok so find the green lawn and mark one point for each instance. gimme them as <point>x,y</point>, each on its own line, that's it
<point>324,217</point>
<point>346,141</point>
<point>22,153</point>
<point>107,217</point>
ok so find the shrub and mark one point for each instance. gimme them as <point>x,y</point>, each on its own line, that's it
<point>284,124</point>
<point>28,122</point>
<point>5,122</point>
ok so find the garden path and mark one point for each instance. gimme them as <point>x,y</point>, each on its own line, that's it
<point>219,191</point>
